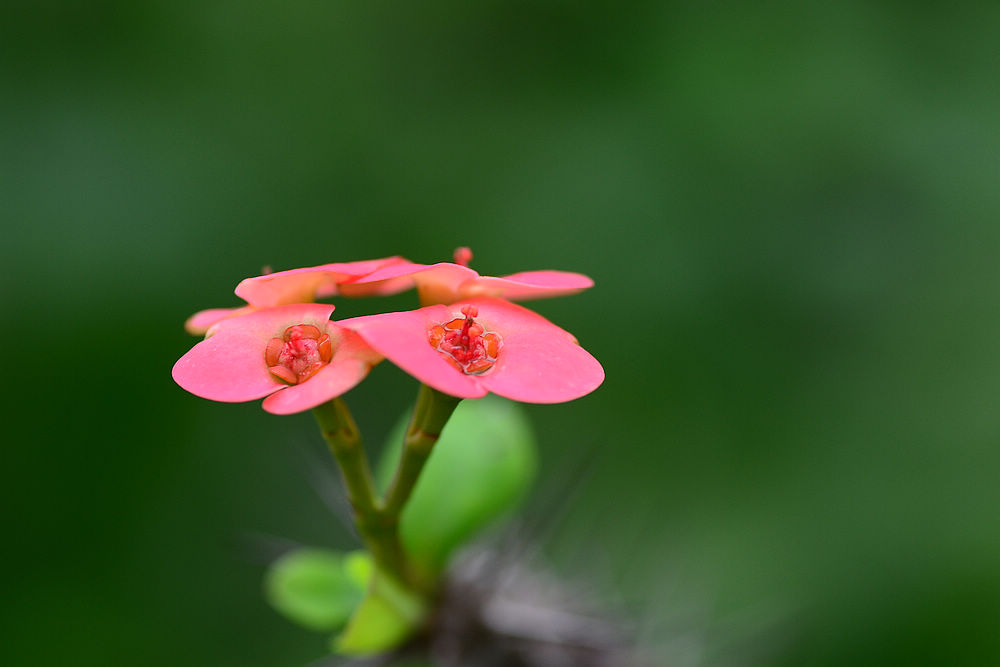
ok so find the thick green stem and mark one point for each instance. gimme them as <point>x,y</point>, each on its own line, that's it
<point>431,413</point>
<point>377,529</point>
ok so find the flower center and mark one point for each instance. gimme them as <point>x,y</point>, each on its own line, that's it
<point>298,354</point>
<point>465,343</point>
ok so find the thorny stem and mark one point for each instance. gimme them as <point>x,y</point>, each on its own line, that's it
<point>378,521</point>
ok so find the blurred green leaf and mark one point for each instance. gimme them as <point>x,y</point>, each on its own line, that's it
<point>480,468</point>
<point>316,588</point>
<point>358,568</point>
<point>388,615</point>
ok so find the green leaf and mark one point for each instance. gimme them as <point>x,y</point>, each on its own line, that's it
<point>316,588</point>
<point>479,470</point>
<point>387,616</point>
<point>358,567</point>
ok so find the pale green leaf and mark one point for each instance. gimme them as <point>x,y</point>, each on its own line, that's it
<point>387,616</point>
<point>316,588</point>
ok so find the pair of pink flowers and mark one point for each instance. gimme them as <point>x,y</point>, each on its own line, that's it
<point>467,341</point>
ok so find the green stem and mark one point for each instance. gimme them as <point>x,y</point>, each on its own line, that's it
<point>431,413</point>
<point>377,529</point>
<point>378,522</point>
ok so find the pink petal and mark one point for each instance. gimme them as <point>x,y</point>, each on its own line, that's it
<point>527,285</point>
<point>352,359</point>
<point>226,368</point>
<point>396,270</point>
<point>534,370</point>
<point>229,365</point>
<point>538,362</point>
<point>442,283</point>
<point>437,283</point>
<point>308,284</point>
<point>508,318</point>
<point>199,323</point>
<point>402,338</point>
<point>446,282</point>
<point>376,288</point>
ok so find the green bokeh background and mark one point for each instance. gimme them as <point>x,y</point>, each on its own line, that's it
<point>791,214</point>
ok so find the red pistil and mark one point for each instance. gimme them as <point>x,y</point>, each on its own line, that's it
<point>462,256</point>
<point>465,343</point>
<point>298,354</point>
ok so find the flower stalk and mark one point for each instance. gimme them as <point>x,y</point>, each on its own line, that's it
<point>377,530</point>
<point>378,521</point>
<point>431,413</point>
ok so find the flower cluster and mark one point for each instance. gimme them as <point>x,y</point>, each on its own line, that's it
<point>468,339</point>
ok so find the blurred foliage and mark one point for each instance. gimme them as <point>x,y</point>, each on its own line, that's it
<point>387,616</point>
<point>790,211</point>
<point>318,588</point>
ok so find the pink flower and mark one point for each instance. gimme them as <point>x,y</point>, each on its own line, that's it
<point>484,345</point>
<point>303,286</point>
<point>294,355</point>
<point>448,282</point>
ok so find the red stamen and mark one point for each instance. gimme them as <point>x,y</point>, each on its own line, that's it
<point>465,343</point>
<point>469,312</point>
